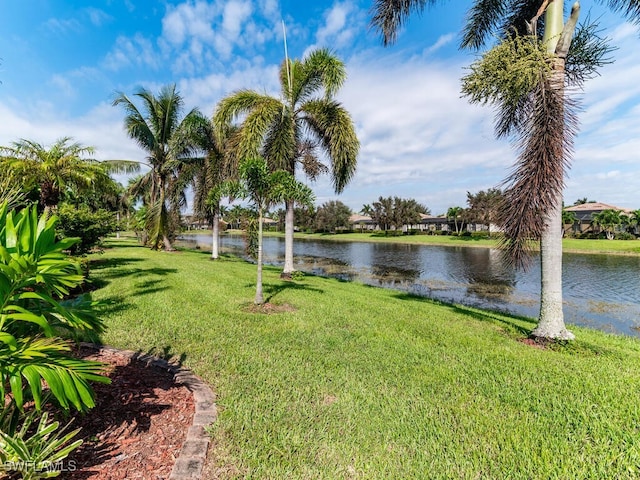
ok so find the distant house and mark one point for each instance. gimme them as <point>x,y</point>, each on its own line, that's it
<point>431,223</point>
<point>584,214</point>
<point>362,222</point>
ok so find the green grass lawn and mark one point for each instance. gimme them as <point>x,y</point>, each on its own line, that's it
<point>350,381</point>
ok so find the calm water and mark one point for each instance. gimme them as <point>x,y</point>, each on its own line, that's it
<point>600,291</point>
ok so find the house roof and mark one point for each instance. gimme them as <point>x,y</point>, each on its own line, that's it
<point>595,207</point>
<point>431,219</point>
<point>356,218</point>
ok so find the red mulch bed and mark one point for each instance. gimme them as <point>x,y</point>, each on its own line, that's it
<point>138,425</point>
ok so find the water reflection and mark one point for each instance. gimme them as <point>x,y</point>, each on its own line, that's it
<point>600,291</point>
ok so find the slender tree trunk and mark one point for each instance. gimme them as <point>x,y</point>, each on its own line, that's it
<point>551,322</point>
<point>215,237</point>
<point>288,240</point>
<point>259,300</point>
<point>168,247</point>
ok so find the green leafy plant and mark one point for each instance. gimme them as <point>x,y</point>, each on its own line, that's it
<point>87,225</point>
<point>36,363</point>
<point>39,454</point>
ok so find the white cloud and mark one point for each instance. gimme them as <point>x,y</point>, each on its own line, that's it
<point>97,17</point>
<point>135,51</point>
<point>62,26</point>
<point>342,23</point>
<point>442,41</point>
<point>213,30</point>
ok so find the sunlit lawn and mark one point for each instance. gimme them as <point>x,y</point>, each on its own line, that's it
<point>350,381</point>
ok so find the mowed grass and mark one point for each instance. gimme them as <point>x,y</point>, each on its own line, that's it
<point>350,381</point>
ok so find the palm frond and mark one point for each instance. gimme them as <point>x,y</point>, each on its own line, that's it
<point>482,21</point>
<point>280,143</point>
<point>588,52</point>
<point>545,145</point>
<point>333,127</point>
<point>629,8</point>
<point>320,70</point>
<point>388,16</point>
<point>135,123</point>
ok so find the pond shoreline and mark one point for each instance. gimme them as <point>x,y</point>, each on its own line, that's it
<point>439,240</point>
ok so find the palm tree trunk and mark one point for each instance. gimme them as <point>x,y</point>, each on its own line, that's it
<point>288,240</point>
<point>215,237</point>
<point>259,300</point>
<point>551,322</point>
<point>168,247</point>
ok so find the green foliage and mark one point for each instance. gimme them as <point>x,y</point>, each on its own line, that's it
<point>87,225</point>
<point>507,73</point>
<point>332,215</point>
<point>34,275</point>
<point>53,171</point>
<point>484,206</point>
<point>37,449</point>
<point>171,143</point>
<point>395,212</point>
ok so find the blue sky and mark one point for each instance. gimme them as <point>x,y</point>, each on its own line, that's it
<point>63,61</point>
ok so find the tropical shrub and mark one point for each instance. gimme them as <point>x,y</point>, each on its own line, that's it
<point>36,364</point>
<point>90,227</point>
<point>624,236</point>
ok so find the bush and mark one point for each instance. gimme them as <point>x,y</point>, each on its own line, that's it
<point>625,236</point>
<point>35,275</point>
<point>83,223</point>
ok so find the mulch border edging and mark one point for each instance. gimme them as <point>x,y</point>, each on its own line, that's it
<point>190,462</point>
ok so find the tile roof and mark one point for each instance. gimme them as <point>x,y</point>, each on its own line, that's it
<point>595,206</point>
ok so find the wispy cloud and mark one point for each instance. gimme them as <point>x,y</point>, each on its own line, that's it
<point>63,25</point>
<point>97,17</point>
<point>135,51</point>
<point>341,24</point>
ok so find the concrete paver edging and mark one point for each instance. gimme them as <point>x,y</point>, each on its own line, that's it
<point>190,462</point>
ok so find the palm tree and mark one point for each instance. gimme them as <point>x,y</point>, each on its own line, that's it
<point>537,55</point>
<point>455,213</point>
<point>219,164</point>
<point>568,218</point>
<point>583,200</point>
<point>265,189</point>
<point>634,220</point>
<point>53,170</point>
<point>608,220</point>
<point>295,128</point>
<point>171,144</point>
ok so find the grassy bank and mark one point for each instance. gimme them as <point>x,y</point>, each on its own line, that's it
<point>350,381</point>
<point>570,245</point>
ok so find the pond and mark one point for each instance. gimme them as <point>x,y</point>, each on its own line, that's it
<point>600,291</point>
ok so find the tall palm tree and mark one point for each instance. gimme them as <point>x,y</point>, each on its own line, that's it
<point>52,170</point>
<point>217,166</point>
<point>525,76</point>
<point>265,189</point>
<point>298,127</point>
<point>568,218</point>
<point>454,213</point>
<point>171,144</point>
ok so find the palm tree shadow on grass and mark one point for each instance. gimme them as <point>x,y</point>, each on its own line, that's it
<point>102,263</point>
<point>272,290</point>
<point>508,320</point>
